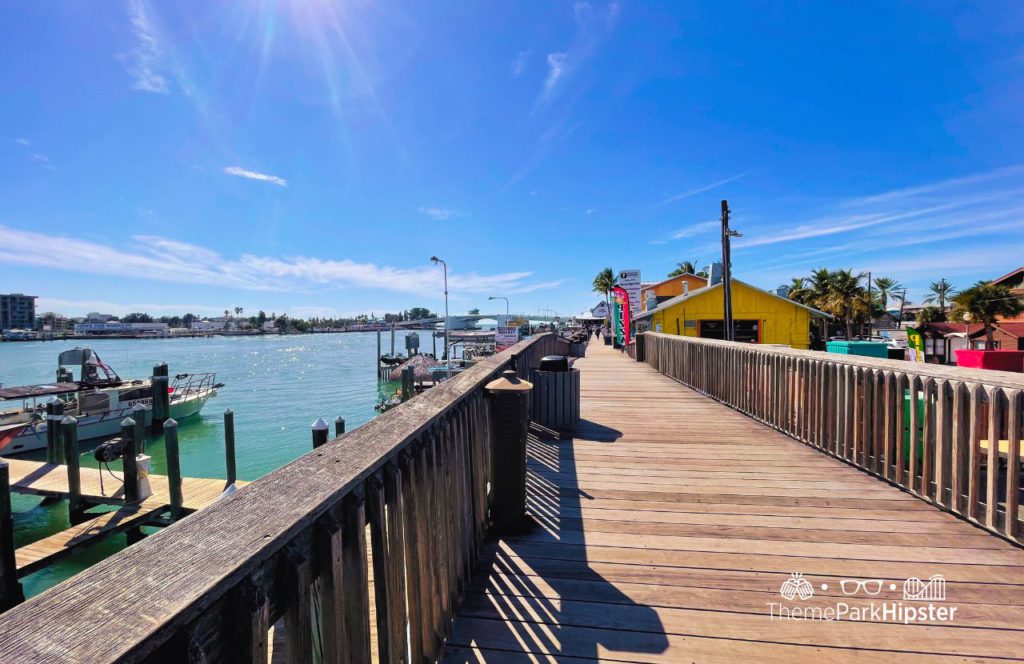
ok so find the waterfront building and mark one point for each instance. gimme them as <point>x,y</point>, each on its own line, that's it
<point>17,311</point>
<point>117,328</point>
<point>759,316</point>
<point>96,317</point>
<point>651,295</point>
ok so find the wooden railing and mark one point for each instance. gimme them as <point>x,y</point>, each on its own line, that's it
<point>949,435</point>
<point>291,548</point>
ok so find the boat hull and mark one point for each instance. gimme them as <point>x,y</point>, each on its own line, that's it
<point>105,425</point>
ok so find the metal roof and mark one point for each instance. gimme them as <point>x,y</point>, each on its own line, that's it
<point>28,391</point>
<point>700,291</point>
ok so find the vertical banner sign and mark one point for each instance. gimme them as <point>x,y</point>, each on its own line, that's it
<point>916,343</point>
<point>629,281</point>
<point>625,311</point>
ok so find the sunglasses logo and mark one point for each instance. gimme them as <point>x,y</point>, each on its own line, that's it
<point>866,586</point>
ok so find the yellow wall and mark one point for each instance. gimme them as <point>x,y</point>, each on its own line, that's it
<point>781,321</point>
<point>674,286</point>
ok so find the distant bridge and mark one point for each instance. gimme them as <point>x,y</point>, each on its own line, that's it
<point>469,321</point>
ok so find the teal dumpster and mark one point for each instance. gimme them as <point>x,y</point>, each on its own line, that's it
<point>862,348</point>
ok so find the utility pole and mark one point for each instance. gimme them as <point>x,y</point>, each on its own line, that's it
<point>729,332</point>
<point>903,301</point>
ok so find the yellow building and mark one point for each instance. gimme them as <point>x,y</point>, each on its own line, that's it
<point>759,316</point>
<point>669,288</point>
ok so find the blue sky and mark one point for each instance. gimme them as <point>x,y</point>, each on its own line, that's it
<point>309,157</point>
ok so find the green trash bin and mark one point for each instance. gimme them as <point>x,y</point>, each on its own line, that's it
<point>919,438</point>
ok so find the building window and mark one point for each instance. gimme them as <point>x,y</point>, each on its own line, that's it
<point>746,331</point>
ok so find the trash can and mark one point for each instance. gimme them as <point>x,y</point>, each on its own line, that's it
<point>555,399</point>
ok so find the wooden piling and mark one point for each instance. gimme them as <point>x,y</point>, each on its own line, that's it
<point>161,397</point>
<point>320,429</point>
<point>229,445</point>
<point>139,415</point>
<point>131,467</point>
<point>10,586</point>
<point>408,383</point>
<point>339,426</point>
<point>173,467</point>
<point>54,415</point>
<point>392,340</point>
<point>69,433</point>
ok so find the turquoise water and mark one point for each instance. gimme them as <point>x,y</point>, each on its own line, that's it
<point>276,385</point>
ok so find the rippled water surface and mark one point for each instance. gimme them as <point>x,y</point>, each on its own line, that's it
<point>277,386</point>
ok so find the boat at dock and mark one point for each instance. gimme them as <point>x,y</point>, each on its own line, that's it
<point>100,400</point>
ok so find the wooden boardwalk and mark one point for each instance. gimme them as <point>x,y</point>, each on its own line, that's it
<point>669,525</point>
<point>44,479</point>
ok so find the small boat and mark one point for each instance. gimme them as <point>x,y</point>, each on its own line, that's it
<point>391,360</point>
<point>100,399</point>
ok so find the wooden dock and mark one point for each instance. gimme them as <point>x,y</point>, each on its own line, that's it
<point>668,526</point>
<point>45,479</point>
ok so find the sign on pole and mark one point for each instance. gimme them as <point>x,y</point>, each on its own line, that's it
<point>629,281</point>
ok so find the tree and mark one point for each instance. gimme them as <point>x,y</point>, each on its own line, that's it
<point>474,312</point>
<point>685,267</point>
<point>281,322</point>
<point>941,291</point>
<point>261,318</point>
<point>419,313</point>
<point>226,313</point>
<point>886,287</point>
<point>137,318</point>
<point>798,290</point>
<point>604,282</point>
<point>984,303</point>
<point>930,315</point>
<point>844,297</point>
<point>188,319</point>
<point>238,311</point>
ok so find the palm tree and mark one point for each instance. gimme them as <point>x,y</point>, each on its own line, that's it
<point>941,291</point>
<point>984,303</point>
<point>604,282</point>
<point>685,267</point>
<point>886,286</point>
<point>845,298</point>
<point>798,291</point>
<point>238,311</point>
<point>930,315</point>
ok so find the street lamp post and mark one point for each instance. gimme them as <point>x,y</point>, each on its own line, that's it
<point>500,297</point>
<point>727,235</point>
<point>447,348</point>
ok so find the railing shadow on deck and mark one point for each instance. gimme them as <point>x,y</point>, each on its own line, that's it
<point>539,594</point>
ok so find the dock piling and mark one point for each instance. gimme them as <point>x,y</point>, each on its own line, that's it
<point>131,471</point>
<point>131,468</point>
<point>10,586</point>
<point>161,397</point>
<point>69,433</point>
<point>139,416</point>
<point>173,467</point>
<point>229,445</point>
<point>408,383</point>
<point>339,426</point>
<point>54,415</point>
<point>320,429</point>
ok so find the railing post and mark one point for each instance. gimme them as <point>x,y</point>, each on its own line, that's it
<point>13,593</point>
<point>139,415</point>
<point>69,433</point>
<point>54,415</point>
<point>510,402</point>
<point>408,383</point>
<point>339,426</point>
<point>131,468</point>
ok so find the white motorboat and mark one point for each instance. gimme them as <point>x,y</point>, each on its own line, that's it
<point>100,400</point>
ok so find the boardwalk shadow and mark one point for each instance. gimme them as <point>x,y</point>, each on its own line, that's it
<point>538,594</point>
<point>594,431</point>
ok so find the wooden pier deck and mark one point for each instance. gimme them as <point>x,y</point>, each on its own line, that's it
<point>44,479</point>
<point>668,526</point>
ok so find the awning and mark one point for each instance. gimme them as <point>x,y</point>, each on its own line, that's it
<point>28,391</point>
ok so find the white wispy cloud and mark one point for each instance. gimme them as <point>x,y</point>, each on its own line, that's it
<point>556,69</point>
<point>169,260</point>
<point>698,190</point>
<point>519,63</point>
<point>22,141</point>
<point>440,213</point>
<point>80,307</point>
<point>238,171</point>
<point>144,59</point>
<point>42,160</point>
